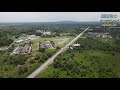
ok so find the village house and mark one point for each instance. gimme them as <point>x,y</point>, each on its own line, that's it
<point>19,41</point>
<point>98,34</point>
<point>43,32</point>
<point>76,45</point>
<point>46,44</point>
<point>26,49</point>
<point>31,37</point>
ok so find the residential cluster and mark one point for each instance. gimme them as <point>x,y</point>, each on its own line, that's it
<point>26,49</point>
<point>43,32</point>
<point>45,44</point>
<point>30,37</point>
<point>98,34</point>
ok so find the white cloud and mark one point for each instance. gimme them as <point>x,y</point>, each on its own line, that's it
<point>50,16</point>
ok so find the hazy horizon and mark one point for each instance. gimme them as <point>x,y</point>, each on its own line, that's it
<point>50,21</point>
<point>7,17</point>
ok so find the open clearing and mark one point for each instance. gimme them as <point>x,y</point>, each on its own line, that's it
<point>3,48</point>
<point>59,41</point>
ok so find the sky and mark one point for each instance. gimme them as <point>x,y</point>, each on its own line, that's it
<point>52,16</point>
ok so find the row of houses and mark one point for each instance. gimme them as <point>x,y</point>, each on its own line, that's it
<point>26,49</point>
<point>19,41</point>
<point>30,37</point>
<point>98,34</point>
<point>43,32</point>
<point>45,44</point>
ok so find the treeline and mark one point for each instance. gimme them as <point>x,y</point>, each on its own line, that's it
<point>95,44</point>
<point>57,29</point>
<point>5,40</point>
<point>7,33</point>
<point>17,30</point>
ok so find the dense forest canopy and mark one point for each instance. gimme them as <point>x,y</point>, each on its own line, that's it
<point>5,39</point>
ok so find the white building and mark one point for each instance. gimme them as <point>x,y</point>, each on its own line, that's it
<point>43,32</point>
<point>76,44</point>
<point>19,41</point>
<point>46,33</point>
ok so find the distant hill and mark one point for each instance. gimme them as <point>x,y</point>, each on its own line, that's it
<point>66,22</point>
<point>71,22</point>
<point>58,22</point>
<point>75,22</point>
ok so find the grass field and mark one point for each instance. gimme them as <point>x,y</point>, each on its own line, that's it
<point>59,41</point>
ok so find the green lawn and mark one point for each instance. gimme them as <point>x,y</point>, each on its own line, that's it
<point>59,41</point>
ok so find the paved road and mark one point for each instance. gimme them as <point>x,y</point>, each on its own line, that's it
<point>49,61</point>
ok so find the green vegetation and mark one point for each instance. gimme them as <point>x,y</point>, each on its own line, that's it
<point>5,40</point>
<point>22,65</point>
<point>16,66</point>
<point>89,64</point>
<point>9,65</point>
<point>58,41</point>
<point>95,58</point>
